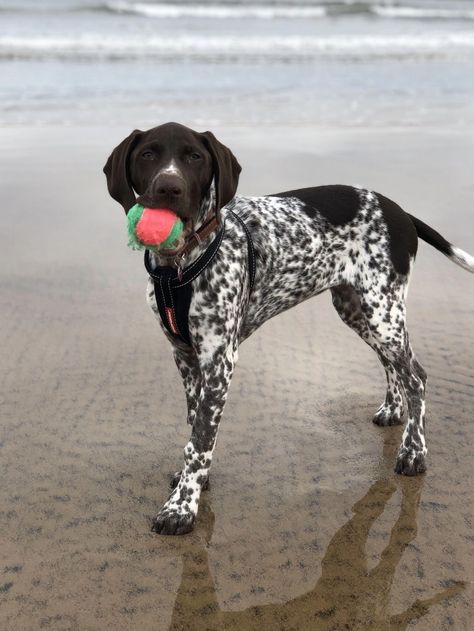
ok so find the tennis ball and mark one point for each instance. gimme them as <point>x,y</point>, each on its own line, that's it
<point>153,228</point>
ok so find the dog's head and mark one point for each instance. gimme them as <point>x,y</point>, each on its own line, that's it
<point>171,166</point>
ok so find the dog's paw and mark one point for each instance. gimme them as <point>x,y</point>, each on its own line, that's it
<point>410,462</point>
<point>386,416</point>
<point>171,522</point>
<point>175,478</point>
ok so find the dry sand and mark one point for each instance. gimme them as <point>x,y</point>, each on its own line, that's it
<point>305,525</point>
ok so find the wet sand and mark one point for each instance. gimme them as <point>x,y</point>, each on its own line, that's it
<point>305,525</point>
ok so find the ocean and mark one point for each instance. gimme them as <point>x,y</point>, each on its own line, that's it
<point>330,63</point>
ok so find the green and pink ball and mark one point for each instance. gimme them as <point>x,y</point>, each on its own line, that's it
<point>152,228</point>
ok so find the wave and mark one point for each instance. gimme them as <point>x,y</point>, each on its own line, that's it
<point>236,10</point>
<point>225,48</point>
<point>221,11</point>
<point>272,11</point>
<point>425,13</point>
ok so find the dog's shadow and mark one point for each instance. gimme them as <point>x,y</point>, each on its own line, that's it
<point>348,595</point>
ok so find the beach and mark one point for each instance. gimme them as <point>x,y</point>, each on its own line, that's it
<point>305,520</point>
<point>305,525</point>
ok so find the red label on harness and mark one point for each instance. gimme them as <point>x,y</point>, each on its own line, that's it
<point>172,320</point>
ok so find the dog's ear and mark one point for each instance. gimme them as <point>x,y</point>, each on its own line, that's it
<point>226,169</point>
<point>117,171</point>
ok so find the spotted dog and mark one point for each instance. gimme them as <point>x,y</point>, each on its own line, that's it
<point>354,242</point>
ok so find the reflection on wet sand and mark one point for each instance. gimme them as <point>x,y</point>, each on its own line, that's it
<point>348,595</point>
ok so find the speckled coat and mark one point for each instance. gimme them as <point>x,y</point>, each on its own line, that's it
<point>300,253</point>
<point>354,242</point>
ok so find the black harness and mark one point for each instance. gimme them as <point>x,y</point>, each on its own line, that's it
<point>173,288</point>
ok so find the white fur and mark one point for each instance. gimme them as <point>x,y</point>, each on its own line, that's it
<point>462,258</point>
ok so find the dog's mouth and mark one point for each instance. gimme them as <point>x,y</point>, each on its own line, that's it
<point>191,222</point>
<point>178,245</point>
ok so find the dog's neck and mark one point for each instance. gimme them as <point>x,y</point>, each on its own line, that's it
<point>196,246</point>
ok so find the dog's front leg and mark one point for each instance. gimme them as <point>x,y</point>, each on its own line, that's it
<point>178,514</point>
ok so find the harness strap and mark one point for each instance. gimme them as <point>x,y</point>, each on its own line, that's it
<point>173,290</point>
<point>251,251</point>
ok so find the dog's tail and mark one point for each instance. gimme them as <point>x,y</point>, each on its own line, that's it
<point>456,255</point>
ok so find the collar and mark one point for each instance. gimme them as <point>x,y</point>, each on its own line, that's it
<point>208,222</point>
<point>177,276</point>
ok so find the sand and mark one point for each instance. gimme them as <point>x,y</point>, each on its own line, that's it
<point>305,525</point>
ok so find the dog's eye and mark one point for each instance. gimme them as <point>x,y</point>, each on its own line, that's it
<point>148,155</point>
<point>195,156</point>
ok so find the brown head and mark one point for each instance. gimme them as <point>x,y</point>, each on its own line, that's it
<point>171,166</point>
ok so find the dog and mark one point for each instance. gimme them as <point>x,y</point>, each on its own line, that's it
<point>243,260</point>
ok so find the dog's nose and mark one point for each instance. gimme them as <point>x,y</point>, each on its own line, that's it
<point>168,186</point>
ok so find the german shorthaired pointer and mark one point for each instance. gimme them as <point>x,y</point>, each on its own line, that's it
<point>354,242</point>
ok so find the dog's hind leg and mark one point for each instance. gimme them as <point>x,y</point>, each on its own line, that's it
<point>348,306</point>
<point>384,309</point>
<point>413,450</point>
